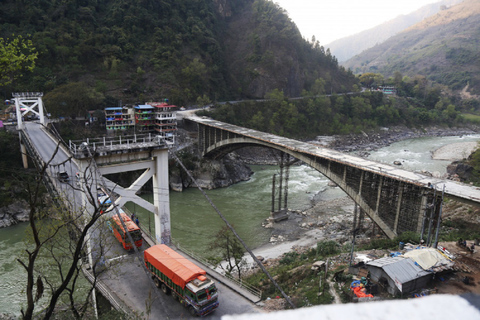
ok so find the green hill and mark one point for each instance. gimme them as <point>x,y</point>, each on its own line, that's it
<point>444,48</point>
<point>136,51</point>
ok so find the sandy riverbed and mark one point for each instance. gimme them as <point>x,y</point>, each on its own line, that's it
<point>455,151</point>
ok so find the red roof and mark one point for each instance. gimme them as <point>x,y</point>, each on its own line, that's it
<point>172,264</point>
<point>131,226</point>
<point>162,105</point>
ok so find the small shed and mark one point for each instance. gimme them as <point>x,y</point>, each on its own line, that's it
<point>398,274</point>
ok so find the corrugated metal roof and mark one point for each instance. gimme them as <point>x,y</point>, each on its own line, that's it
<point>399,269</point>
<point>144,106</point>
<point>113,108</point>
<point>384,261</point>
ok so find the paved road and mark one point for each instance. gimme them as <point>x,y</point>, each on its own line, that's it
<point>127,278</point>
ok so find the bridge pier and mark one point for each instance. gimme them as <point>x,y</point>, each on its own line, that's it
<point>147,154</point>
<point>156,168</point>
<point>161,198</point>
<point>23,151</point>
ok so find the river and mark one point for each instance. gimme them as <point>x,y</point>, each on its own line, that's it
<point>246,205</point>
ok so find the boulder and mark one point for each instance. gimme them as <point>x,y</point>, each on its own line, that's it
<point>318,265</point>
<point>460,170</point>
<point>14,213</point>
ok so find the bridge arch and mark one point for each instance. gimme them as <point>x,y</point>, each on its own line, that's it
<point>396,200</point>
<point>381,198</point>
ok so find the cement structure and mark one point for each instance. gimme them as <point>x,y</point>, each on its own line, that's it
<point>396,200</point>
<point>126,154</point>
<point>28,103</point>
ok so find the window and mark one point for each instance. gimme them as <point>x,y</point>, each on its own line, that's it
<point>202,295</point>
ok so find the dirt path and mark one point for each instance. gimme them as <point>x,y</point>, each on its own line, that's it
<point>333,292</point>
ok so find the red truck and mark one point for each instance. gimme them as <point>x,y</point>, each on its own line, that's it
<point>187,282</point>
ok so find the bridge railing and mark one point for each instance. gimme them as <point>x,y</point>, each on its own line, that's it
<point>253,290</point>
<point>80,147</point>
<point>112,298</point>
<point>39,163</point>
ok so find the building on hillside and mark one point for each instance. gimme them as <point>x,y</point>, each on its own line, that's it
<point>165,120</point>
<point>118,118</point>
<point>159,118</point>
<point>390,90</point>
<point>398,274</point>
<point>144,118</point>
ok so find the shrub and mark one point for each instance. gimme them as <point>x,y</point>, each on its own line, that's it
<point>327,247</point>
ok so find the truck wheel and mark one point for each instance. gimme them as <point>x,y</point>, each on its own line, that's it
<point>165,289</point>
<point>157,282</point>
<point>192,311</point>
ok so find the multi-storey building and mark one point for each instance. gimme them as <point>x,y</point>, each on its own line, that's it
<point>153,117</point>
<point>119,118</point>
<point>144,118</point>
<point>165,120</point>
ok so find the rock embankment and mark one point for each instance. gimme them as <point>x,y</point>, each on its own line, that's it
<point>210,174</point>
<point>13,214</point>
<point>368,141</point>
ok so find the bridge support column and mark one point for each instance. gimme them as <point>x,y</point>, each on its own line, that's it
<point>23,151</point>
<point>399,206</point>
<point>161,198</point>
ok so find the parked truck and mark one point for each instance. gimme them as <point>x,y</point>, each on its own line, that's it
<point>187,282</point>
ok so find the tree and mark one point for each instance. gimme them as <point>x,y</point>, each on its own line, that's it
<point>203,101</point>
<point>229,251</point>
<point>16,56</point>
<point>275,95</point>
<point>73,99</point>
<point>59,238</point>
<point>367,79</point>
<point>318,87</point>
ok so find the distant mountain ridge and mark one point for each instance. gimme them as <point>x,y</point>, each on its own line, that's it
<point>345,48</point>
<point>444,48</point>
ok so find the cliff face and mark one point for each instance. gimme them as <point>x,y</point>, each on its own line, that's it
<point>459,171</point>
<point>14,213</point>
<point>211,174</point>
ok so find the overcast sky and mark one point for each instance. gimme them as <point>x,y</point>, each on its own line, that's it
<point>330,20</point>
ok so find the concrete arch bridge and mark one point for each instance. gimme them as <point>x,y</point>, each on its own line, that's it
<point>396,200</point>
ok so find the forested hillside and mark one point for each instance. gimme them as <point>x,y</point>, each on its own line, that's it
<point>443,48</point>
<point>136,51</point>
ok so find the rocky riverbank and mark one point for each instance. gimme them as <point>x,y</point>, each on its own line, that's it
<point>15,213</point>
<point>362,143</point>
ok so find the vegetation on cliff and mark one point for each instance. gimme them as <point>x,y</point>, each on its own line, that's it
<point>138,51</point>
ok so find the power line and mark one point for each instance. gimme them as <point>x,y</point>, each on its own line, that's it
<point>233,231</point>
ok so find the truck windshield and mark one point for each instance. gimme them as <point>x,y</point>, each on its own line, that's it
<point>204,294</point>
<point>136,235</point>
